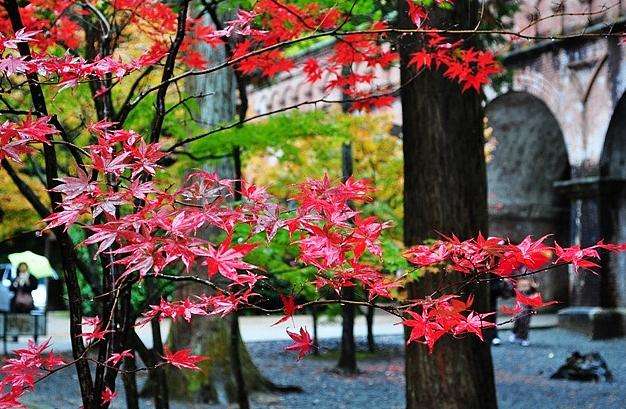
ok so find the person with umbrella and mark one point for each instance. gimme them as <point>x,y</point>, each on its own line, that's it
<point>23,285</point>
<point>39,267</point>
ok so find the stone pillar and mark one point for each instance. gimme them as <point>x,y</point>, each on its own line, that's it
<point>593,308</point>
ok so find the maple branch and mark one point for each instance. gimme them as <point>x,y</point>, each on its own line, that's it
<point>492,276</point>
<point>183,101</point>
<point>397,31</point>
<point>390,308</point>
<point>236,124</point>
<point>534,22</point>
<point>66,245</point>
<point>168,71</point>
<point>194,279</point>
<point>201,158</point>
<point>127,106</point>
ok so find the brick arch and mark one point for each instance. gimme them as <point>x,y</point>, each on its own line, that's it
<point>613,162</point>
<point>274,100</point>
<point>539,86</point>
<point>613,170</point>
<point>527,154</point>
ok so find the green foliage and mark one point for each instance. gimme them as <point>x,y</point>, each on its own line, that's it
<point>78,235</point>
<point>279,130</point>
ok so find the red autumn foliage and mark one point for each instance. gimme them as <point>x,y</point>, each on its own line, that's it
<point>144,228</point>
<point>302,343</point>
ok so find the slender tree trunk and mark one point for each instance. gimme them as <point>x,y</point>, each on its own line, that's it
<point>316,342</point>
<point>369,318</point>
<point>229,374</point>
<point>444,191</point>
<point>235,361</point>
<point>347,352</point>
<point>130,383</point>
<point>65,243</point>
<point>161,390</point>
<point>235,336</point>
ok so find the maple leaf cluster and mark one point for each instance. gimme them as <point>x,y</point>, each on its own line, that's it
<point>487,259</point>
<point>334,238</point>
<point>21,372</point>
<point>470,67</point>
<point>16,139</point>
<point>447,314</point>
<point>500,257</point>
<point>140,228</point>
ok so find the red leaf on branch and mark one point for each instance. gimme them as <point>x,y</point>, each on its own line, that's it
<point>516,309</point>
<point>289,308</point>
<point>183,358</point>
<point>577,256</point>
<point>302,343</point>
<point>117,357</point>
<point>108,395</point>
<point>534,301</point>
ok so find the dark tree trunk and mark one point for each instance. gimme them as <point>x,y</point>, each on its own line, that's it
<point>316,342</point>
<point>347,353</point>
<point>130,383</point>
<point>161,385</point>
<point>369,318</point>
<point>444,191</point>
<point>235,336</point>
<point>66,246</point>
<point>235,362</point>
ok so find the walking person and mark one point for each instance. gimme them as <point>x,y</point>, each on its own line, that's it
<point>497,288</point>
<point>22,286</point>
<point>521,327</point>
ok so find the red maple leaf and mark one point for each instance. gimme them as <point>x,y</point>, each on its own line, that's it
<point>9,400</point>
<point>108,395</point>
<point>516,309</point>
<point>577,256</point>
<point>302,343</point>
<point>534,301</point>
<point>116,357</point>
<point>289,308</point>
<point>183,358</point>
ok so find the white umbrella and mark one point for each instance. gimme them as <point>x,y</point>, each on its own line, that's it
<point>39,266</point>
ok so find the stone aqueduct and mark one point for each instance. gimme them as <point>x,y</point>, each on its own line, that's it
<point>559,140</point>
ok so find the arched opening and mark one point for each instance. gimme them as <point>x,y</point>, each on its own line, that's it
<point>526,154</point>
<point>613,173</point>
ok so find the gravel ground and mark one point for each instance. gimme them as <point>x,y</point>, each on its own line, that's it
<point>522,377</point>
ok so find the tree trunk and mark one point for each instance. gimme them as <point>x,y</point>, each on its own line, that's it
<point>347,352</point>
<point>130,383</point>
<point>369,318</point>
<point>229,373</point>
<point>216,382</point>
<point>159,378</point>
<point>444,191</point>
<point>235,363</point>
<point>316,342</point>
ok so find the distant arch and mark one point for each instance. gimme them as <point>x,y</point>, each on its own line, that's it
<point>613,171</point>
<point>526,155</point>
